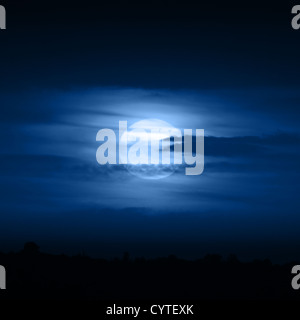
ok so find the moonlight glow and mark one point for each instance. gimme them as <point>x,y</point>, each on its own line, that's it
<point>147,151</point>
<point>156,131</point>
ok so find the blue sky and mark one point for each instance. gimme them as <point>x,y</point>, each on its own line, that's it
<point>233,72</point>
<point>49,167</point>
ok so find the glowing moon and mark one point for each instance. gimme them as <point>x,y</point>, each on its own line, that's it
<point>152,130</point>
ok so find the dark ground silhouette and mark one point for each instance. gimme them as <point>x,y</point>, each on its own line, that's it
<point>35,275</point>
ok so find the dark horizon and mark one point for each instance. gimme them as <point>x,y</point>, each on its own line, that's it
<point>43,276</point>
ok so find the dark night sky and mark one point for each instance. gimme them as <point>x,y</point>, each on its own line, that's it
<point>68,70</point>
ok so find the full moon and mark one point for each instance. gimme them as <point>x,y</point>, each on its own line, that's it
<point>150,171</point>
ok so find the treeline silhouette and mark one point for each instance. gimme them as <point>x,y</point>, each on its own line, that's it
<point>35,275</point>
